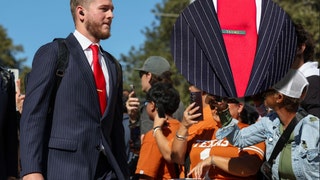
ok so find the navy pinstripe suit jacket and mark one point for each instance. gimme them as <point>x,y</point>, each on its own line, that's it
<point>200,55</point>
<point>66,147</point>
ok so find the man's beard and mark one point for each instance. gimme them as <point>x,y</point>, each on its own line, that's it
<point>94,29</point>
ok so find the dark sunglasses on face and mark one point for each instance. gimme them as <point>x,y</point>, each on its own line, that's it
<point>211,100</point>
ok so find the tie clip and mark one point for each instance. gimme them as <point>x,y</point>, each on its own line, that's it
<point>239,32</point>
<point>99,90</point>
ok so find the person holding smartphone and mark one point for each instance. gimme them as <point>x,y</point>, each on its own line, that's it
<point>299,155</point>
<point>163,101</point>
<point>195,141</point>
<point>155,69</point>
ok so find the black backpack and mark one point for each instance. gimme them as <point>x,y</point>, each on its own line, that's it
<point>62,64</point>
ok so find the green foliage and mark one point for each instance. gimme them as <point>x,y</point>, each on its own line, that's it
<point>8,53</point>
<point>307,13</point>
<point>157,44</point>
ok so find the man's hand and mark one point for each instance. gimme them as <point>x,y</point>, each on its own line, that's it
<point>33,176</point>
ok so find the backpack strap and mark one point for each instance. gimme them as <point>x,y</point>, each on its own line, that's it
<point>286,134</point>
<point>61,65</point>
<point>63,57</point>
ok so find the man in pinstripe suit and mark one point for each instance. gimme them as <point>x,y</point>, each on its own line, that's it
<point>80,141</point>
<point>200,54</point>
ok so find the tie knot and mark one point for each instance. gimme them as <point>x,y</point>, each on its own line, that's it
<point>94,47</point>
<point>95,53</point>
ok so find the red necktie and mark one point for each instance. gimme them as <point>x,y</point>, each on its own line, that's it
<point>99,79</point>
<point>237,20</point>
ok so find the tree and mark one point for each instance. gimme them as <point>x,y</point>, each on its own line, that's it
<point>8,52</point>
<point>157,43</point>
<point>306,13</point>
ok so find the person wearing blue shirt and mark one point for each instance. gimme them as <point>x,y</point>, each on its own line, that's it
<point>299,158</point>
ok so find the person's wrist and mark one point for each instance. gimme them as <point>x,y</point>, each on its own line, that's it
<point>184,125</point>
<point>181,137</point>
<point>155,129</point>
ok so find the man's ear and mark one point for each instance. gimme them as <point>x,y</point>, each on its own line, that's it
<point>80,13</point>
<point>279,97</point>
<point>153,106</point>
<point>301,49</point>
<point>149,75</point>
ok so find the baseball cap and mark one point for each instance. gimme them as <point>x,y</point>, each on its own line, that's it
<point>155,65</point>
<point>292,84</point>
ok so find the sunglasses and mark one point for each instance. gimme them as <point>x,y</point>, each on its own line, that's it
<point>211,100</point>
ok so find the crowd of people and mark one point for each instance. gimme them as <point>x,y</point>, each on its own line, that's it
<point>79,123</point>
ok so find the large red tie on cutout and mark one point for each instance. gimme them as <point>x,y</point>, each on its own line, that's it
<point>99,79</point>
<point>237,20</point>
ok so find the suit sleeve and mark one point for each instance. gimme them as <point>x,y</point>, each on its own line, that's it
<point>34,123</point>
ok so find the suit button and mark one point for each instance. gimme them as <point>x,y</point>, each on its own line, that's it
<point>98,147</point>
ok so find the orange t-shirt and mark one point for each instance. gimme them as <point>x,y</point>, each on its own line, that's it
<point>203,143</point>
<point>151,161</point>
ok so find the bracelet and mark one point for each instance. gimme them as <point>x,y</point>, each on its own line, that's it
<point>181,138</point>
<point>155,129</point>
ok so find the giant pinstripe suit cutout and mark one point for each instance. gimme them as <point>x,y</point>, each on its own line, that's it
<point>199,52</point>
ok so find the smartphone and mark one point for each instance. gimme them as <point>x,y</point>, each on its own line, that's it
<point>132,89</point>
<point>197,98</point>
<point>161,112</point>
<point>15,74</point>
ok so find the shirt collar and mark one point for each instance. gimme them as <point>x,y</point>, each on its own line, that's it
<point>84,42</point>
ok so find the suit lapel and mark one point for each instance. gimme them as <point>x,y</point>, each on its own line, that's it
<point>200,55</point>
<point>111,82</point>
<point>269,36</point>
<point>84,67</point>
<point>203,22</point>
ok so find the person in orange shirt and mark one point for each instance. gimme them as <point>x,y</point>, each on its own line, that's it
<point>154,158</point>
<point>196,141</point>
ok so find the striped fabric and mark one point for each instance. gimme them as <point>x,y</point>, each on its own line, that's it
<point>68,146</point>
<point>200,55</point>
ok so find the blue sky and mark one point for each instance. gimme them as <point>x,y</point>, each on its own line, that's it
<point>34,23</point>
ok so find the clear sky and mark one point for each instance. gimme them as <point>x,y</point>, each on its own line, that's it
<point>36,22</point>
